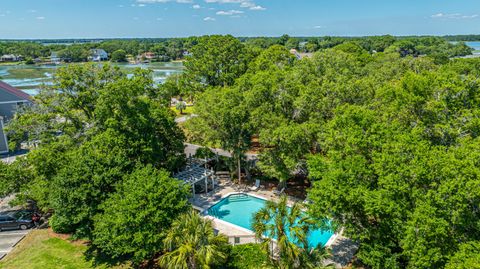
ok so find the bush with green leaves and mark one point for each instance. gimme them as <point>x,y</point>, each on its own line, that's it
<point>135,219</point>
<point>249,256</point>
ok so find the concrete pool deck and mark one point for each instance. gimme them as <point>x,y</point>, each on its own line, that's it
<point>343,249</point>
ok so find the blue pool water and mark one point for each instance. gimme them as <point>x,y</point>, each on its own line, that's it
<point>239,209</point>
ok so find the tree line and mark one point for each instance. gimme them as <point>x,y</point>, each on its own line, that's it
<point>174,48</point>
<point>166,49</point>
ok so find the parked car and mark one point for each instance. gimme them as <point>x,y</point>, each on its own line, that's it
<point>8,222</point>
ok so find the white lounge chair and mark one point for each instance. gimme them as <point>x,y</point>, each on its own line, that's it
<point>279,192</point>
<point>257,185</point>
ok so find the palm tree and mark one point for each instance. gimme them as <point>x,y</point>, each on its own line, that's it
<point>191,243</point>
<point>283,232</point>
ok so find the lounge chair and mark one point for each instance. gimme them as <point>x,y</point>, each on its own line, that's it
<point>257,185</point>
<point>279,192</point>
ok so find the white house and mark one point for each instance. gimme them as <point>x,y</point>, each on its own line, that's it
<point>10,58</point>
<point>98,55</point>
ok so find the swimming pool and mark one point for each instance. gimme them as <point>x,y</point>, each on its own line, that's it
<point>238,209</point>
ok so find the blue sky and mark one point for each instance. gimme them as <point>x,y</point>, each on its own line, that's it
<point>178,18</point>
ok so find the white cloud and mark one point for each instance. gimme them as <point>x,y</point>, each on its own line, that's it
<point>40,18</point>
<point>453,16</point>
<point>32,11</point>
<point>229,12</point>
<point>247,4</point>
<point>250,4</point>
<point>257,8</point>
<point>318,27</point>
<point>209,19</point>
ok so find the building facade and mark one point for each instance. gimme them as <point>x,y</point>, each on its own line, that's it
<point>11,100</point>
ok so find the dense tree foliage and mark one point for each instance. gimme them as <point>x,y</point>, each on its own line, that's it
<point>217,61</point>
<point>119,56</point>
<point>404,181</point>
<point>135,218</point>
<point>249,256</point>
<point>222,120</point>
<point>93,127</point>
<point>13,176</point>
<point>467,257</point>
<point>389,139</point>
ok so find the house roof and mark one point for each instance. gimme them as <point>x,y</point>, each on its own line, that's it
<point>20,94</point>
<point>98,51</point>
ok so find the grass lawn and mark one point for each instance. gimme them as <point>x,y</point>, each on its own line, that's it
<point>28,72</point>
<point>41,249</point>
<point>186,112</point>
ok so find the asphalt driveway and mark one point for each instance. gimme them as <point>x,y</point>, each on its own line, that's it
<point>9,239</point>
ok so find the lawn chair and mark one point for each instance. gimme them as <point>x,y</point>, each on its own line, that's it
<point>257,185</point>
<point>279,192</point>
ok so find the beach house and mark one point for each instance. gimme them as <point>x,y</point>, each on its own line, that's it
<point>98,55</point>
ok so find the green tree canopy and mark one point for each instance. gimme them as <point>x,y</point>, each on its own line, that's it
<point>95,125</point>
<point>217,60</point>
<point>119,56</point>
<point>135,219</point>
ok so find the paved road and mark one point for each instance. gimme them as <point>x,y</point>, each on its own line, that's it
<point>9,239</point>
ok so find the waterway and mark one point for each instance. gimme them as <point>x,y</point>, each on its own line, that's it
<point>30,78</point>
<point>475,45</point>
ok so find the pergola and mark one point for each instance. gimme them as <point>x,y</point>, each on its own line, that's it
<point>195,173</point>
